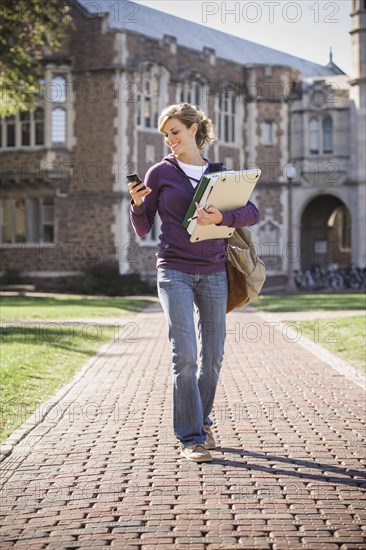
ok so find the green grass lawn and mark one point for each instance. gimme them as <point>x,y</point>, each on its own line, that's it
<point>38,359</point>
<point>311,302</point>
<point>28,308</point>
<point>343,336</point>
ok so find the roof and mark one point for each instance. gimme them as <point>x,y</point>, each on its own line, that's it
<point>155,24</point>
<point>332,66</point>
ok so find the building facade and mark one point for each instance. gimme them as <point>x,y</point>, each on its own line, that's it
<point>64,196</point>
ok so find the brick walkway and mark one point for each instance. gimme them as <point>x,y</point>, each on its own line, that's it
<point>101,468</point>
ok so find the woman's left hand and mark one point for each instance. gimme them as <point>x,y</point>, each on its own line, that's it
<point>208,216</point>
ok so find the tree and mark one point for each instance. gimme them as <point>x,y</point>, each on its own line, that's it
<point>28,28</point>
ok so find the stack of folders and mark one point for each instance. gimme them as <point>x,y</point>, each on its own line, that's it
<point>225,191</point>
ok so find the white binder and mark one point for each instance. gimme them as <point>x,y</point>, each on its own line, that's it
<point>225,191</point>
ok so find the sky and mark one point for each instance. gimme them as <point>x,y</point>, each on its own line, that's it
<point>304,28</point>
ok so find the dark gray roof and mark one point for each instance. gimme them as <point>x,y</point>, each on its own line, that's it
<point>129,16</point>
<point>332,66</point>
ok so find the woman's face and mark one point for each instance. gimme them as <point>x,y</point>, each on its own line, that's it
<point>180,139</point>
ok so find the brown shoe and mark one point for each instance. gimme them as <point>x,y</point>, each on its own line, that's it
<point>209,442</point>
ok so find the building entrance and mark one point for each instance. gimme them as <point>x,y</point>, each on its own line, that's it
<point>325,233</point>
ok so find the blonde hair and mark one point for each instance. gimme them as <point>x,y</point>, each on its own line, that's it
<point>188,114</point>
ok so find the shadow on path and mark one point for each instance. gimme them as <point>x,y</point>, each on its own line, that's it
<point>323,477</point>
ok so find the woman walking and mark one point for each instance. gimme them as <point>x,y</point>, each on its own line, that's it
<point>191,276</point>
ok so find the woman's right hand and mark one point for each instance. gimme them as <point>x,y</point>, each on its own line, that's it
<point>138,191</point>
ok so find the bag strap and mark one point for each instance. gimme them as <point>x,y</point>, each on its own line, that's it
<point>215,167</point>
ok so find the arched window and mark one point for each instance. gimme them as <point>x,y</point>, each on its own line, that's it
<point>27,129</point>
<point>227,117</point>
<point>58,89</point>
<point>58,122</point>
<point>327,135</point>
<point>268,127</point>
<point>10,131</point>
<point>57,95</point>
<point>47,232</point>
<point>25,133</point>
<point>38,126</point>
<point>314,136</point>
<point>151,95</point>
<point>191,92</point>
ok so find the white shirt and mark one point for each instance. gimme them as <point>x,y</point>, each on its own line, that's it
<point>193,171</point>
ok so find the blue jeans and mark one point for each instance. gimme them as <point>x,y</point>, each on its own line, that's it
<point>194,386</point>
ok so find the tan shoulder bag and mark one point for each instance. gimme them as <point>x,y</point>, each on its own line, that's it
<point>246,272</point>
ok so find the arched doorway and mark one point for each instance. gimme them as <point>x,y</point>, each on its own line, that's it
<point>325,232</point>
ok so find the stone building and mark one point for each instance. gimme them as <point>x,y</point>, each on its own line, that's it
<point>64,197</point>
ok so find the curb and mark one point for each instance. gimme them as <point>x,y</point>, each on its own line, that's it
<point>344,368</point>
<point>36,418</point>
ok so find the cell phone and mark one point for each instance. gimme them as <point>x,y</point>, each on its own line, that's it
<point>135,177</point>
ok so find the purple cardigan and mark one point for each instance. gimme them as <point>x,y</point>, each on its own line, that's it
<point>171,195</point>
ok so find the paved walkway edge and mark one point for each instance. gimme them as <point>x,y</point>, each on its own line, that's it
<point>353,374</point>
<point>43,410</point>
<point>36,418</point>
